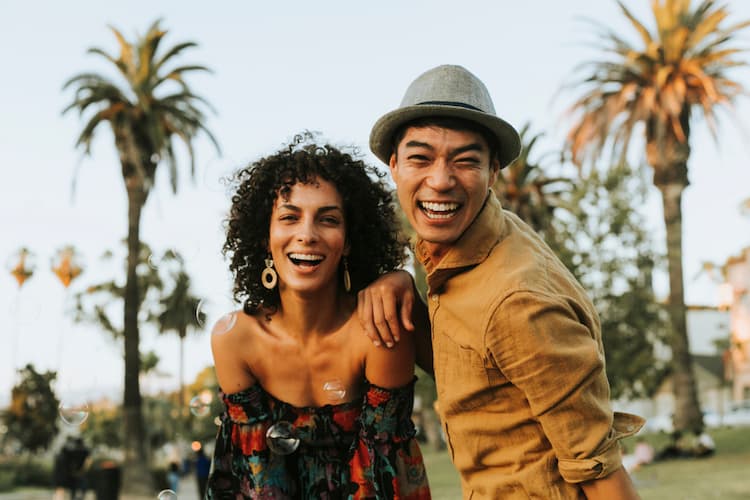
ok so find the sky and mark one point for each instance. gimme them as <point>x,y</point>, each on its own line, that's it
<point>278,68</point>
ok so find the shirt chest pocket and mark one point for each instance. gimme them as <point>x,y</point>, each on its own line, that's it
<point>461,376</point>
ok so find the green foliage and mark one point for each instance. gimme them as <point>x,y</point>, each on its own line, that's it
<point>32,416</point>
<point>206,386</point>
<point>178,307</point>
<point>101,302</point>
<point>524,188</point>
<point>605,243</point>
<point>425,388</point>
<point>103,427</point>
<point>155,106</point>
<point>21,471</point>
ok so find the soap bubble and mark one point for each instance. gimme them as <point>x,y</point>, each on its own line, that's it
<point>73,414</point>
<point>335,390</point>
<point>200,405</point>
<point>281,438</point>
<point>167,495</point>
<point>217,314</point>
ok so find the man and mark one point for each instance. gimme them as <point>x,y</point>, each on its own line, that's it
<point>517,349</point>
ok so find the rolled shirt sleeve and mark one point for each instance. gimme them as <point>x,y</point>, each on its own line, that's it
<point>550,348</point>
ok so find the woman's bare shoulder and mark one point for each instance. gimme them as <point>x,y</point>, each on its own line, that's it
<point>232,341</point>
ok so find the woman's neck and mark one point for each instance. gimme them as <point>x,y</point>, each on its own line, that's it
<point>311,316</point>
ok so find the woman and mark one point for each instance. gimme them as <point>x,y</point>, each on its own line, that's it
<point>313,409</point>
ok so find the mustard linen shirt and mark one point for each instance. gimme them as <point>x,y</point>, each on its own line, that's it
<point>519,365</point>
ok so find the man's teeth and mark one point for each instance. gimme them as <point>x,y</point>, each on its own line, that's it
<point>435,210</point>
<point>306,257</point>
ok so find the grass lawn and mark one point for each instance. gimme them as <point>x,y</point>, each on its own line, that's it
<point>726,475</point>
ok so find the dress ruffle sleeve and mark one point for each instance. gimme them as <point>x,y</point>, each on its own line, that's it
<point>387,462</point>
<point>242,465</point>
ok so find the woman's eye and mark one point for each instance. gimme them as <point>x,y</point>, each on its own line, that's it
<point>330,220</point>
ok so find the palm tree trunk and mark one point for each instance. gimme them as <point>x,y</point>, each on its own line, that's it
<point>687,415</point>
<point>182,334</point>
<point>136,475</point>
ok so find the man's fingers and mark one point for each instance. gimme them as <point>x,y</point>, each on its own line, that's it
<point>407,306</point>
<point>364,311</point>
<point>391,316</point>
<point>379,318</point>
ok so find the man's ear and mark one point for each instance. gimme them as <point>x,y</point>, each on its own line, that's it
<point>494,171</point>
<point>392,164</point>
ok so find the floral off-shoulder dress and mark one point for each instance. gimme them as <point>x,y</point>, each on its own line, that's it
<point>363,449</point>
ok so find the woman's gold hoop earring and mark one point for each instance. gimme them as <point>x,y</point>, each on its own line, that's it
<point>347,278</point>
<point>269,277</point>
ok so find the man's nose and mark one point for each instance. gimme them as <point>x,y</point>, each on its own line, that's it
<point>440,176</point>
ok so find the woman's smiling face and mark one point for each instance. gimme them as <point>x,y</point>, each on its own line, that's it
<point>307,236</point>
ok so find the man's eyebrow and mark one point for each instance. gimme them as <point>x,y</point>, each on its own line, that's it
<point>474,146</point>
<point>418,144</point>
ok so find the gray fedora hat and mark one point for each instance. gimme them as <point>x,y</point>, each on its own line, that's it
<point>450,91</point>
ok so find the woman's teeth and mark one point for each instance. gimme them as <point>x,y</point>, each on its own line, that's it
<point>305,259</point>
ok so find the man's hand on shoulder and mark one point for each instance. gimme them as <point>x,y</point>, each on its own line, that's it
<point>385,308</point>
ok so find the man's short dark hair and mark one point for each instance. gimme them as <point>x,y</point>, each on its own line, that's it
<point>451,123</point>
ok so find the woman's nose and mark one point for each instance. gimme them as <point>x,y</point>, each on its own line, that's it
<point>308,233</point>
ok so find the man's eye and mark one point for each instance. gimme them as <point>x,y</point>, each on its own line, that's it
<point>418,158</point>
<point>467,162</point>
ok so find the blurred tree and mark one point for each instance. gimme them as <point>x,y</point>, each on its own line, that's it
<point>99,302</point>
<point>201,420</point>
<point>179,313</point>
<point>145,115</point>
<point>679,67</point>
<point>523,187</point>
<point>103,427</point>
<point>605,242</point>
<point>31,418</point>
<point>592,224</point>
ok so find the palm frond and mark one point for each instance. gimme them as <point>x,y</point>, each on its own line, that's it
<point>125,62</point>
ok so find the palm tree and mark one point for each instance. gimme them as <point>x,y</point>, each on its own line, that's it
<point>679,68</point>
<point>152,107</point>
<point>179,314</point>
<point>524,189</point>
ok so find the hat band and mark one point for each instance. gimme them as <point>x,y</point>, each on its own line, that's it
<point>450,103</point>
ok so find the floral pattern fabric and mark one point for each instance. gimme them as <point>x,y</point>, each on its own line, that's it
<point>362,449</point>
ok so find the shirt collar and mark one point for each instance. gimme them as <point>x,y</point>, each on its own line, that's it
<point>473,247</point>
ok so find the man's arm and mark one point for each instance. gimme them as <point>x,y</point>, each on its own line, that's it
<point>391,307</point>
<point>616,486</point>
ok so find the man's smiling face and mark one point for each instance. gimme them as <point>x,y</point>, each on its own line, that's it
<point>442,178</point>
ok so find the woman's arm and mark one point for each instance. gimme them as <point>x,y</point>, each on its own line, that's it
<point>390,308</point>
<point>390,368</point>
<point>227,348</point>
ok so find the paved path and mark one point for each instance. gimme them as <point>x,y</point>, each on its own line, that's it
<point>188,491</point>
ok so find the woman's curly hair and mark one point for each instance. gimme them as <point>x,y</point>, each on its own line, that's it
<point>372,230</point>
